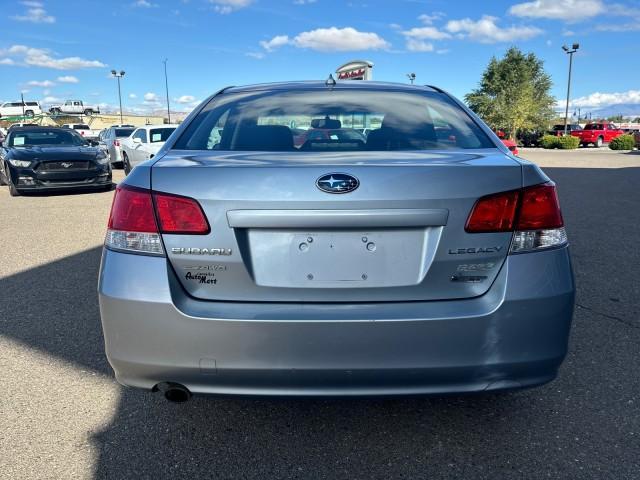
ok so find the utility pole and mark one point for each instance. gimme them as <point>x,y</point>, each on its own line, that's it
<point>570,51</point>
<point>22,101</point>
<point>118,76</point>
<point>166,86</point>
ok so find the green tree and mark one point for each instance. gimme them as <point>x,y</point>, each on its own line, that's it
<point>616,119</point>
<point>514,93</point>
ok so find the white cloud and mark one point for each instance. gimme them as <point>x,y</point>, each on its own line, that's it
<point>39,57</point>
<point>303,2</point>
<point>328,40</point>
<point>599,99</point>
<point>143,4</point>
<point>339,39</point>
<point>7,61</point>
<point>133,95</point>
<point>35,13</point>
<point>276,42</point>
<point>185,99</point>
<point>567,10</point>
<point>68,79</point>
<point>256,55</point>
<point>620,27</point>
<point>426,33</point>
<point>485,30</point>
<point>151,97</point>
<point>50,100</point>
<point>43,83</point>
<point>429,19</point>
<point>414,45</point>
<point>228,6</point>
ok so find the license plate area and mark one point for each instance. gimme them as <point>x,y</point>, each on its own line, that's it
<point>339,259</point>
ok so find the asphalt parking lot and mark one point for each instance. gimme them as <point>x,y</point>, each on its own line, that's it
<point>63,416</point>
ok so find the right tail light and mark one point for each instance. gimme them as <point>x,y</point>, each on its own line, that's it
<point>532,214</point>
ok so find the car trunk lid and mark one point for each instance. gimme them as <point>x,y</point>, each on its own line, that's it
<point>276,236</point>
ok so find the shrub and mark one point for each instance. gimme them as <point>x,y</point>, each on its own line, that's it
<point>568,142</point>
<point>564,143</point>
<point>549,141</point>
<point>623,142</point>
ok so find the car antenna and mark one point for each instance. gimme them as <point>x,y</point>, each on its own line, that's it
<point>330,82</point>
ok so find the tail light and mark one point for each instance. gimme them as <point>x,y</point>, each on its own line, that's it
<point>116,143</point>
<point>514,149</point>
<point>138,217</point>
<point>532,213</point>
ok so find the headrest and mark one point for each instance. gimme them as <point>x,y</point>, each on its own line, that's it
<point>264,137</point>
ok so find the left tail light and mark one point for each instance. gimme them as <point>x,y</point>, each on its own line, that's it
<point>138,217</point>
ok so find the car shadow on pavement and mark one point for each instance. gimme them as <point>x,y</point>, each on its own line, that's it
<point>557,430</point>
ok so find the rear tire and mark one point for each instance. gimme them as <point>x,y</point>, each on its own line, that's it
<point>88,112</point>
<point>29,113</point>
<point>125,164</point>
<point>2,180</point>
<point>598,142</point>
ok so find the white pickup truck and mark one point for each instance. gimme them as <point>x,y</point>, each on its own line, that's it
<point>74,107</point>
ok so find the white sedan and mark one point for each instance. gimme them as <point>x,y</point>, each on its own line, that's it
<point>143,144</point>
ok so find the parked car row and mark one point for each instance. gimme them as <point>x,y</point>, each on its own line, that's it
<point>31,109</point>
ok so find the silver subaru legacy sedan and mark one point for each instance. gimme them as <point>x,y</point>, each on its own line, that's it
<point>272,248</point>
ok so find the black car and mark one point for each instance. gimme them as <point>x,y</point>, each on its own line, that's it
<point>558,129</point>
<point>47,158</point>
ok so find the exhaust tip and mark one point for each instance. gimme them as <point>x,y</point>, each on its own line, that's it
<point>173,392</point>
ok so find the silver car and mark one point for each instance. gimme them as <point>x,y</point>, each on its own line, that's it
<point>425,259</point>
<point>110,139</point>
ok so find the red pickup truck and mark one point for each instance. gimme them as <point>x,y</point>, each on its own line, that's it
<point>597,133</point>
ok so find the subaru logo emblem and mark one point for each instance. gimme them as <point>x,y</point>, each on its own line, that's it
<point>337,183</point>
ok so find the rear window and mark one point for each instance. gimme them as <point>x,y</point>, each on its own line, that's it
<point>81,126</point>
<point>594,126</point>
<point>332,120</point>
<point>124,132</point>
<point>160,134</point>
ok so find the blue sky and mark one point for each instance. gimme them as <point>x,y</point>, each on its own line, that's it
<point>58,49</point>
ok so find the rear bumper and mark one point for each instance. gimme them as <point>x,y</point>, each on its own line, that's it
<point>513,336</point>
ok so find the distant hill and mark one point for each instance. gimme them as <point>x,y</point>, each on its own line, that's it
<point>624,109</point>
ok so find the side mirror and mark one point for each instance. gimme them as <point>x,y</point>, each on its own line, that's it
<point>137,140</point>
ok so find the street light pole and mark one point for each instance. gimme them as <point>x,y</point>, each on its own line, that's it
<point>166,86</point>
<point>118,76</point>
<point>570,51</point>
